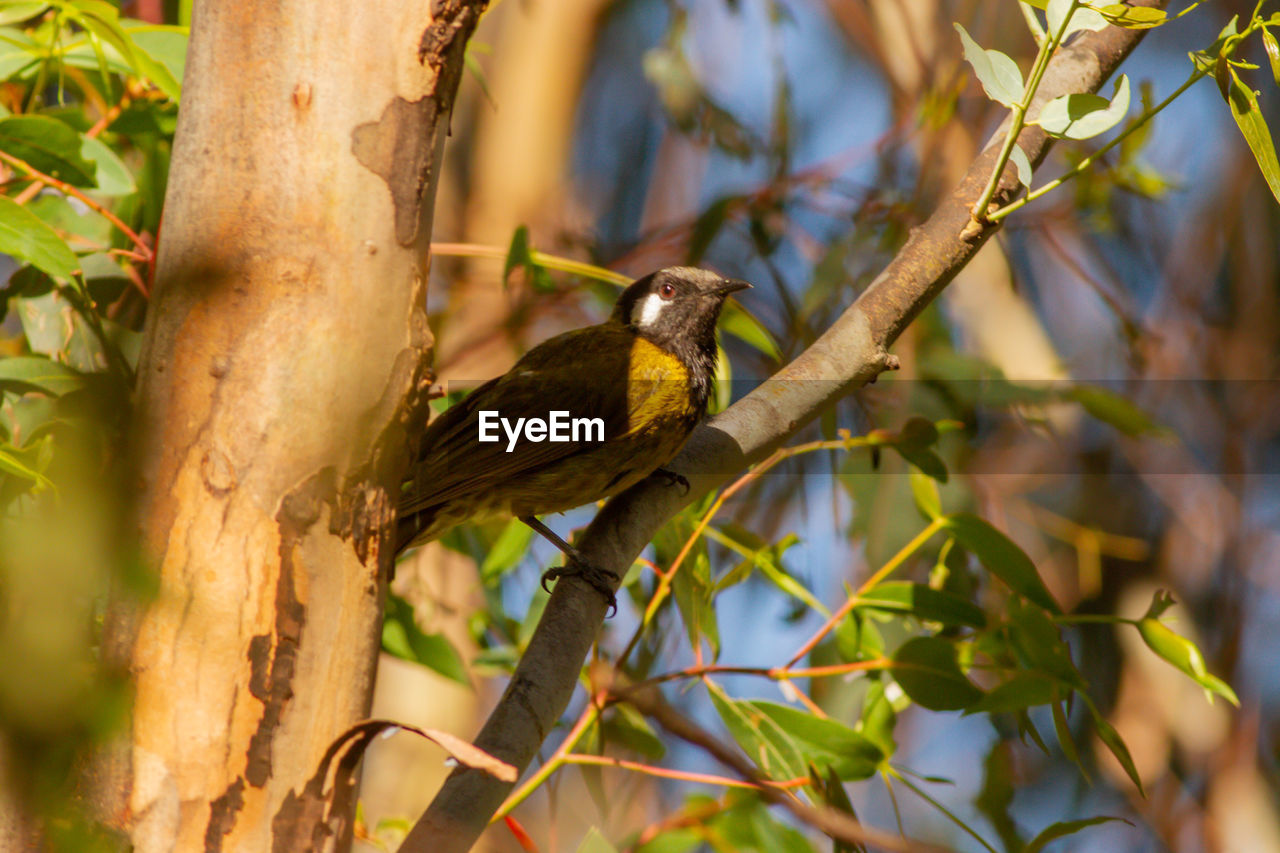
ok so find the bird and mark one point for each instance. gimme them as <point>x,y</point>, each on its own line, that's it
<point>645,375</point>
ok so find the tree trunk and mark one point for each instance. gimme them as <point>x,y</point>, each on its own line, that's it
<point>285,355</point>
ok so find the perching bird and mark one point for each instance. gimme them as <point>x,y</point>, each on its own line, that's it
<point>646,373</point>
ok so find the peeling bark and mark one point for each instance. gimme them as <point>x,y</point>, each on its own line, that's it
<point>285,363</point>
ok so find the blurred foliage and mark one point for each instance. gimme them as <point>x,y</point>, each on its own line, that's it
<point>956,540</point>
<point>87,112</point>
<point>911,557</point>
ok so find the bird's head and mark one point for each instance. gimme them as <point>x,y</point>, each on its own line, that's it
<point>677,308</point>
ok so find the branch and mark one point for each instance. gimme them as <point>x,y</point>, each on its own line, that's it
<point>848,355</point>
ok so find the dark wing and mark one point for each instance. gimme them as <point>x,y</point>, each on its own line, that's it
<point>583,372</point>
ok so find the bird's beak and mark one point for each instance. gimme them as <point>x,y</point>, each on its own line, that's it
<point>729,285</point>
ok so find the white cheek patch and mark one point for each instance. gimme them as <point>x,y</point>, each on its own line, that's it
<point>650,308</point>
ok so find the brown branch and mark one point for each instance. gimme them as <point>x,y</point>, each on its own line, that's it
<point>848,355</point>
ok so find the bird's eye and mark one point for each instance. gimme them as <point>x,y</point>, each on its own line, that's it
<point>667,291</point>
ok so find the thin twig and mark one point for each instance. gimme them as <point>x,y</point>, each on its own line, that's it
<point>62,186</point>
<point>679,775</point>
<point>852,601</point>
<point>590,713</point>
<point>667,578</point>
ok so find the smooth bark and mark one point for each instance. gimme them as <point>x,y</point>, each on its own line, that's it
<point>286,352</point>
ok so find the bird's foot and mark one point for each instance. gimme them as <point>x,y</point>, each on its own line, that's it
<point>671,478</point>
<point>601,580</point>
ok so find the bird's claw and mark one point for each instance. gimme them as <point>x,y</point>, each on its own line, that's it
<point>671,478</point>
<point>601,580</point>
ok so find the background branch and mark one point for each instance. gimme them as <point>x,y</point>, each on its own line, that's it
<point>848,355</point>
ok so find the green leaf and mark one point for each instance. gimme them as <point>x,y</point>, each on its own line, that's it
<point>112,177</point>
<point>857,638</point>
<point>1116,411</point>
<point>914,442</point>
<point>14,461</point>
<point>998,74</point>
<point>747,824</point>
<point>1083,19</point>
<point>1273,53</point>
<point>676,840</point>
<point>501,658</point>
<point>831,787</point>
<point>1083,116</point>
<point>56,328</point>
<point>951,572</point>
<point>505,553</point>
<point>1065,740</point>
<point>42,374</point>
<point>127,342</point>
<point>57,211</point>
<point>1222,76</point>
<point>1109,736</point>
<point>102,21</point>
<point>722,382</point>
<point>520,255</point>
<point>160,54</point>
<point>16,12</point>
<point>25,417</point>
<point>925,491</point>
<point>49,146</point>
<point>1185,655</point>
<point>517,252</point>
<point>996,796</point>
<point>768,561</point>
<point>692,592</point>
<point>825,743</point>
<point>743,325</point>
<point>927,671</point>
<point>1027,729</point>
<point>761,738</point>
<point>402,637</point>
<point>878,718</point>
<point>1248,116</point>
<point>476,70</point>
<point>628,727</point>
<point>917,432</point>
<point>1132,17</point>
<point>1065,828</point>
<point>19,56</point>
<point>24,237</point>
<point>1022,164</point>
<point>1001,557</point>
<point>1024,690</point>
<point>1039,641</point>
<point>924,603</point>
<point>1160,602</point>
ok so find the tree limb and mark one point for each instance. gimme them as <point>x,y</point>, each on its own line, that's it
<point>848,355</point>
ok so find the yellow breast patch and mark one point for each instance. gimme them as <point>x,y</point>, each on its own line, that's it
<point>657,388</point>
